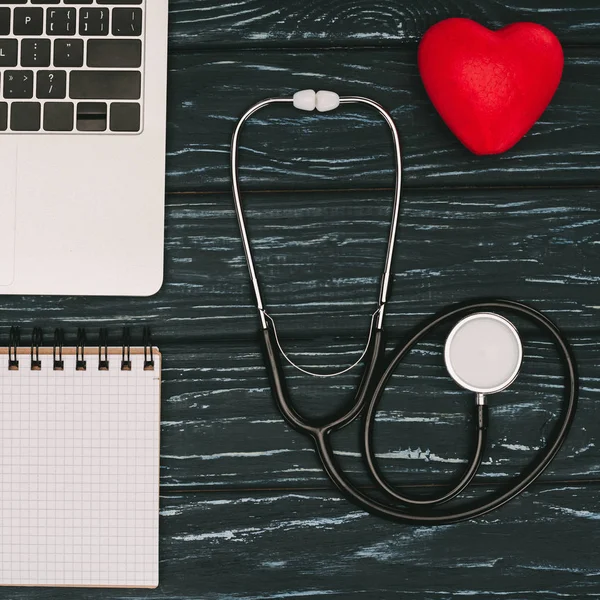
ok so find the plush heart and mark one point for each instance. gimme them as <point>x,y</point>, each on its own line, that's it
<point>490,87</point>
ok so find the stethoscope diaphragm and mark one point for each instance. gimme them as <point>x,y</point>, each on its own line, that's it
<point>483,353</point>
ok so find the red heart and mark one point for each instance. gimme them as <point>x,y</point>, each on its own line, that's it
<point>490,87</point>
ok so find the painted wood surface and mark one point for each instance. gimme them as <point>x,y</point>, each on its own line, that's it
<point>221,428</point>
<point>246,512</point>
<point>349,149</point>
<point>268,23</point>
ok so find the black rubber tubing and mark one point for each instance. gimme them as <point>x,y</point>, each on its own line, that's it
<point>368,396</point>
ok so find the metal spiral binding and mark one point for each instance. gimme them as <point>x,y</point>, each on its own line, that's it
<point>14,341</point>
<point>37,338</point>
<point>58,344</point>
<point>103,363</point>
<point>148,350</point>
<point>80,362</point>
<point>57,350</point>
<point>126,355</point>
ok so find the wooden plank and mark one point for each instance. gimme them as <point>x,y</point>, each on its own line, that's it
<point>320,257</point>
<point>350,148</point>
<point>296,545</point>
<point>313,545</point>
<point>221,428</point>
<point>269,23</point>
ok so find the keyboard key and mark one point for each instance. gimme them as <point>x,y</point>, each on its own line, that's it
<point>125,116</point>
<point>28,21</point>
<point>119,1</point>
<point>4,21</point>
<point>25,116</point>
<point>114,53</point>
<point>51,84</point>
<point>105,85</point>
<point>18,84</point>
<point>91,116</point>
<point>35,53</point>
<point>61,21</point>
<point>93,21</point>
<point>68,53</point>
<point>3,116</point>
<point>127,21</point>
<point>58,116</point>
<point>8,53</point>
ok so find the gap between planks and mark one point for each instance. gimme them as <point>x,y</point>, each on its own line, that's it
<point>450,188</point>
<point>304,46</point>
<point>544,483</point>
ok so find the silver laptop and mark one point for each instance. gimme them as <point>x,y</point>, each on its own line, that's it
<point>82,146</point>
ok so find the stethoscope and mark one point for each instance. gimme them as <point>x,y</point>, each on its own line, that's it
<point>482,353</point>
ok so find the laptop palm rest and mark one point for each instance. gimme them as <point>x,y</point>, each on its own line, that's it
<point>8,196</point>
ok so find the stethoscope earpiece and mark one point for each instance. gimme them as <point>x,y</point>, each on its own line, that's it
<point>309,100</point>
<point>483,354</point>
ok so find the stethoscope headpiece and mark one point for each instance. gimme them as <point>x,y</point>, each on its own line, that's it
<point>483,353</point>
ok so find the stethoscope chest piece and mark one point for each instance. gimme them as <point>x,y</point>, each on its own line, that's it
<point>483,353</point>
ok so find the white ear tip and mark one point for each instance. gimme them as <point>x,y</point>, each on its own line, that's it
<point>305,100</point>
<point>327,101</point>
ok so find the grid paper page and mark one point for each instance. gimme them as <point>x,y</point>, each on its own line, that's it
<point>79,473</point>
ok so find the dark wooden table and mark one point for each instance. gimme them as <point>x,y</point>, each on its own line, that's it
<point>246,512</point>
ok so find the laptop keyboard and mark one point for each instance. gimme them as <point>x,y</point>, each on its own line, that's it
<point>71,66</point>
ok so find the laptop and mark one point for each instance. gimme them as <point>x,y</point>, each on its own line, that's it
<point>82,146</point>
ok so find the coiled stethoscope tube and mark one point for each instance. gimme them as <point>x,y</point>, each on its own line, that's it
<point>377,373</point>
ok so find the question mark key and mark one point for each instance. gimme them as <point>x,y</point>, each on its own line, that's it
<point>52,84</point>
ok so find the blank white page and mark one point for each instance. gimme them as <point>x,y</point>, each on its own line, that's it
<point>79,472</point>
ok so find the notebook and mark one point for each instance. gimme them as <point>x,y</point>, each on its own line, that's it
<point>79,461</point>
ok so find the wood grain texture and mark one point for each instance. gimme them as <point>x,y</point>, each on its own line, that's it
<point>297,545</point>
<point>221,428</point>
<point>350,148</point>
<point>320,257</point>
<point>313,545</point>
<point>271,23</point>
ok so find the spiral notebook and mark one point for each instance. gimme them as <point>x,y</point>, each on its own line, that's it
<point>79,462</point>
